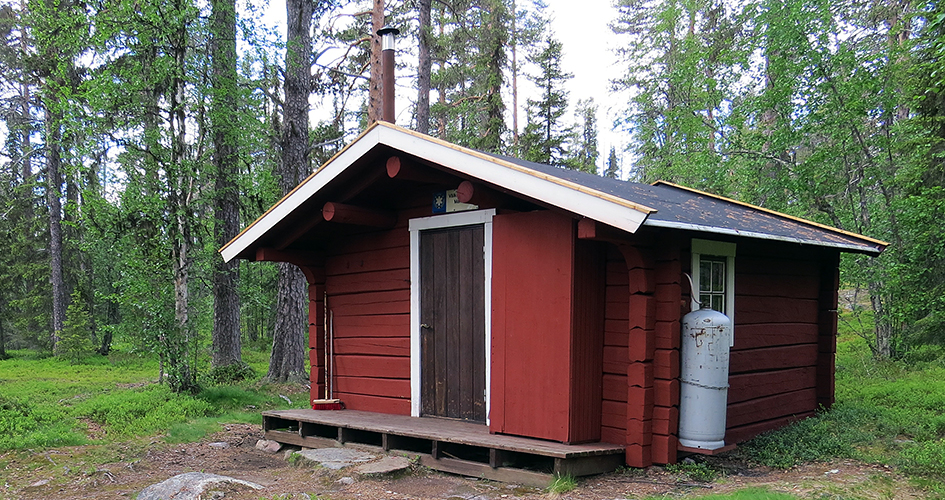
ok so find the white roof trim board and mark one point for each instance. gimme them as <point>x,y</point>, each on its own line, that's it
<point>572,197</point>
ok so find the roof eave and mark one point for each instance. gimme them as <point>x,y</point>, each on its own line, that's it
<point>847,247</point>
<point>544,188</point>
<point>775,213</point>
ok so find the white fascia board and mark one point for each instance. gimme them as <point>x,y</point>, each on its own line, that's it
<point>301,193</point>
<point>587,202</point>
<point>757,235</point>
<point>534,185</point>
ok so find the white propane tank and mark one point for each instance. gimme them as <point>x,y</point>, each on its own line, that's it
<point>703,395</point>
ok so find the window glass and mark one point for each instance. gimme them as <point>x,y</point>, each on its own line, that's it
<point>712,282</point>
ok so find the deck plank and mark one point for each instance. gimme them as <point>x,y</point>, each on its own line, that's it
<point>444,430</point>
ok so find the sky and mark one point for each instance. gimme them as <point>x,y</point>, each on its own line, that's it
<point>582,26</point>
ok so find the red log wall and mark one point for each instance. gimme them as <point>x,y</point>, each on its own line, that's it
<point>367,276</point>
<point>785,337</point>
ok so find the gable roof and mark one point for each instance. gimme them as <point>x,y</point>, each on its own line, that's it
<point>624,205</point>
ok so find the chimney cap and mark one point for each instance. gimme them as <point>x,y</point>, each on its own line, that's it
<point>388,29</point>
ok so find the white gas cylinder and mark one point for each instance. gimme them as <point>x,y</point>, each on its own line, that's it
<point>703,395</point>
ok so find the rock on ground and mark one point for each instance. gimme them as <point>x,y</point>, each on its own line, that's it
<point>188,486</point>
<point>268,446</point>
<point>385,465</point>
<point>336,458</point>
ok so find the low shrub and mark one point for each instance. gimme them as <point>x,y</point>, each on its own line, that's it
<point>699,472</point>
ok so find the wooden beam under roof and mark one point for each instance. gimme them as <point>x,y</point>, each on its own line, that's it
<point>359,216</point>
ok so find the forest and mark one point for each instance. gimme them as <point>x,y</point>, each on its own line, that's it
<point>140,137</point>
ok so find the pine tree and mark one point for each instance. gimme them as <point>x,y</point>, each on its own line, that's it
<point>585,153</point>
<point>613,165</point>
<point>545,139</point>
<point>226,336</point>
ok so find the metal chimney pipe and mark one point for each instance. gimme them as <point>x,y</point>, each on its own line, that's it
<point>387,34</point>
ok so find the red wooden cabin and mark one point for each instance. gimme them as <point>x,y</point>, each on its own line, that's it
<point>546,303</point>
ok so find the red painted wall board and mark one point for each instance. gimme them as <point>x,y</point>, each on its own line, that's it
<point>668,292</point>
<point>372,240</point>
<point>372,366</point>
<point>617,334</point>
<point>370,303</point>
<point>374,403</point>
<point>617,310</point>
<point>641,280</point>
<point>373,281</point>
<point>613,435</point>
<point>669,271</point>
<point>668,335</point>
<point>642,311</point>
<point>379,325</point>
<point>768,265</point>
<point>641,344</point>
<point>380,346</point>
<point>664,449</point>
<point>750,309</point>
<point>773,358</point>
<point>373,260</point>
<point>533,255</point>
<point>767,408</point>
<point>746,432</point>
<point>666,392</point>
<point>774,285</point>
<point>748,386</point>
<point>639,403</point>
<point>665,420</point>
<point>384,387</point>
<point>639,455</point>
<point>587,341</point>
<point>639,374</point>
<point>752,336</point>
<point>666,364</point>
<point>614,387</point>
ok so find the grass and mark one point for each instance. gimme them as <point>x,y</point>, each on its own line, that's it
<point>562,484</point>
<point>746,494</point>
<point>699,472</point>
<point>889,412</point>
<point>47,402</point>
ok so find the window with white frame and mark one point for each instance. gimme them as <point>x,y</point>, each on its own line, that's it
<point>713,276</point>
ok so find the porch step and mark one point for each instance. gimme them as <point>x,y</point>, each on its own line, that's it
<point>451,446</point>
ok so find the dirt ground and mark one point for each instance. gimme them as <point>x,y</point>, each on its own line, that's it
<point>121,471</point>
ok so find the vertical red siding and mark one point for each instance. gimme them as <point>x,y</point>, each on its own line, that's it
<point>531,298</point>
<point>587,341</point>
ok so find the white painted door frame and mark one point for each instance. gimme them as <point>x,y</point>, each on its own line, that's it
<point>457,219</point>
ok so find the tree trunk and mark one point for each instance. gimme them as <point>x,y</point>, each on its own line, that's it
<point>287,362</point>
<point>514,44</point>
<point>53,193</point>
<point>424,67</point>
<point>288,343</point>
<point>374,90</point>
<point>226,305</point>
<point>3,342</point>
<point>182,376</point>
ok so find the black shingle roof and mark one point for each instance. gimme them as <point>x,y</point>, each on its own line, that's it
<point>685,208</point>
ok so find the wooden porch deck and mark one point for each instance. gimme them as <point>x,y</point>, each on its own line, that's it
<point>446,445</point>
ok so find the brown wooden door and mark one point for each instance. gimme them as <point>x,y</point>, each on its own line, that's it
<point>452,317</point>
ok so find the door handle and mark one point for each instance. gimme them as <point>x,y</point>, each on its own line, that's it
<point>426,326</point>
